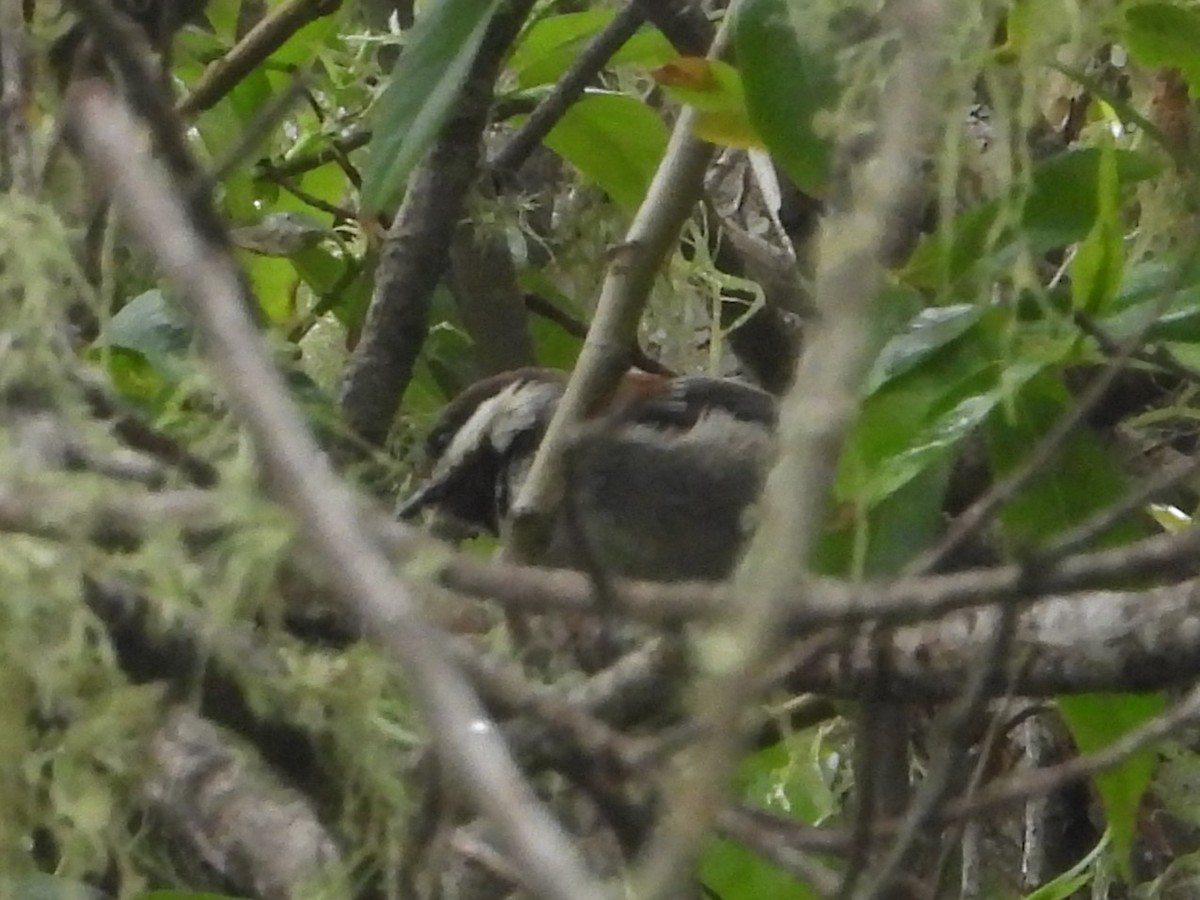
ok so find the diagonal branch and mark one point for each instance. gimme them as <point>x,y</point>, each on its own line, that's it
<point>677,187</point>
<point>325,511</point>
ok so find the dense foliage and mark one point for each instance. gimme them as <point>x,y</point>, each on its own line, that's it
<point>419,197</point>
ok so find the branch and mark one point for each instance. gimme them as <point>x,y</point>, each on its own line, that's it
<point>17,171</point>
<point>324,510</point>
<point>416,250</point>
<point>605,355</point>
<point>855,246</point>
<point>267,36</point>
<point>253,830</point>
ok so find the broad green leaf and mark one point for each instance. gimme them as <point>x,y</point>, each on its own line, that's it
<point>250,95</point>
<point>931,442</point>
<point>306,44</point>
<point>901,523</point>
<point>155,329</point>
<point>327,182</point>
<point>1100,260</point>
<point>647,48</point>
<point>1095,721</point>
<point>788,82</point>
<point>184,895</point>
<point>615,141</point>
<point>1064,202</point>
<point>320,269</point>
<point>734,873</point>
<point>418,99</point>
<point>914,418</point>
<point>549,46</point>
<point>714,89</point>
<point>1165,35</point>
<point>938,397</point>
<point>1142,296</point>
<point>223,16</point>
<point>927,333</point>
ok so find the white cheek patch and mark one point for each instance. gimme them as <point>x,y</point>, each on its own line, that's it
<point>500,420</point>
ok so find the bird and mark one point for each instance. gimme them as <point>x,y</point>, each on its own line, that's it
<point>661,482</point>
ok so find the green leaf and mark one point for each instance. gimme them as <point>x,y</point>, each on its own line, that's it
<point>927,333</point>
<point>1064,202</point>
<point>903,522</point>
<point>916,418</point>
<point>1095,721</point>
<point>551,45</point>
<point>615,141</point>
<point>1100,260</point>
<point>788,778</point>
<point>788,82</point>
<point>1083,479</point>
<point>274,282</point>
<point>1165,35</point>
<point>306,44</point>
<point>421,94</point>
<point>1061,207</point>
<point>1141,296</point>
<point>155,329</point>
<point>734,873</point>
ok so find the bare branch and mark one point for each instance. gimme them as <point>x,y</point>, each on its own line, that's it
<point>325,511</point>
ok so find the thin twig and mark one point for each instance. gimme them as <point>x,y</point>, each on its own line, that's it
<point>567,89</point>
<point>1015,788</point>
<point>299,165</point>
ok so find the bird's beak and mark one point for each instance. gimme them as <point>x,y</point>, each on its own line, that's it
<point>422,497</point>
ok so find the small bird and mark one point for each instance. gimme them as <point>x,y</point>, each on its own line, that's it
<point>660,483</point>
